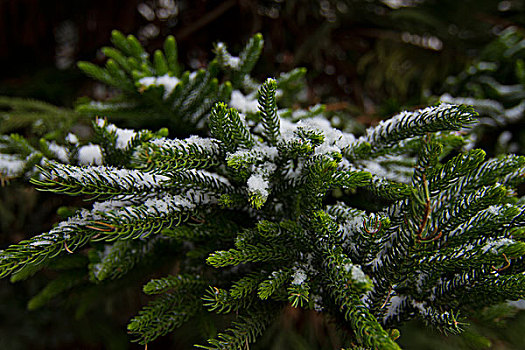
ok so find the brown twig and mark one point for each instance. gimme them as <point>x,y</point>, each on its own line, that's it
<point>387,298</point>
<point>432,238</point>
<point>428,209</point>
<point>373,232</point>
<point>198,220</point>
<point>504,267</point>
<point>67,248</point>
<point>111,227</point>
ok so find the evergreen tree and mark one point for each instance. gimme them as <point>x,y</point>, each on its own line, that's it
<point>276,208</point>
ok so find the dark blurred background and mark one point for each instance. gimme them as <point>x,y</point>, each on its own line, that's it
<point>370,58</point>
<point>368,53</point>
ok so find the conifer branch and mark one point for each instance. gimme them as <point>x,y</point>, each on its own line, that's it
<point>162,315</point>
<point>244,331</point>
<point>268,108</point>
<point>421,230</point>
<point>410,124</point>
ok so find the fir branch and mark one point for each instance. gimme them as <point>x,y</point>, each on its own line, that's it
<point>247,59</point>
<point>351,179</point>
<point>244,331</point>
<point>446,322</point>
<point>121,257</point>
<point>286,79</point>
<point>494,289</point>
<point>227,126</point>
<point>468,206</point>
<point>299,294</point>
<point>148,218</point>
<point>388,189</point>
<point>220,301</point>
<point>245,286</point>
<point>173,283</point>
<point>57,286</point>
<point>101,181</point>
<point>461,165</point>
<point>490,222</point>
<point>268,111</point>
<point>420,122</point>
<point>163,314</point>
<point>438,230</point>
<point>366,328</point>
<point>248,253</point>
<point>272,283</point>
<point>493,252</point>
<point>199,179</point>
<point>170,50</point>
<point>69,236</point>
<point>165,154</point>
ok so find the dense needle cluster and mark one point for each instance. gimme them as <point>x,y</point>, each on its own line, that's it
<point>270,211</point>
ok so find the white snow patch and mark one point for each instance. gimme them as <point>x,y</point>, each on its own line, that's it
<point>420,306</point>
<point>258,153</point>
<point>244,104</point>
<point>493,245</point>
<point>206,143</point>
<point>358,275</point>
<point>120,178</point>
<point>108,205</point>
<point>257,184</point>
<point>494,210</point>
<point>234,62</point>
<point>169,83</point>
<point>385,167</point>
<point>40,243</point>
<point>90,154</point>
<point>201,142</point>
<point>421,276</point>
<point>333,137</point>
<point>394,307</point>
<point>164,205</point>
<point>318,303</point>
<point>59,151</point>
<point>124,136</point>
<point>292,172</point>
<point>231,61</point>
<point>10,165</point>
<point>519,304</point>
<point>299,277</point>
<point>72,138</point>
